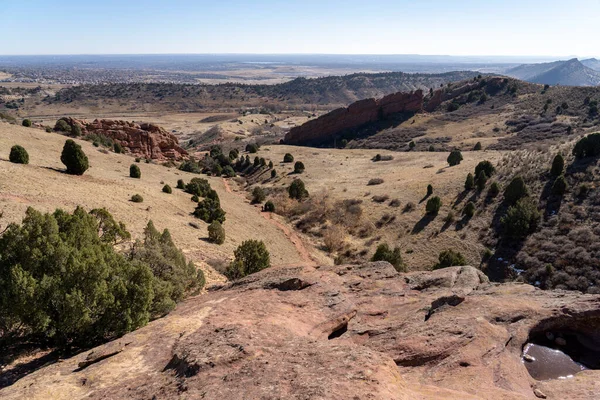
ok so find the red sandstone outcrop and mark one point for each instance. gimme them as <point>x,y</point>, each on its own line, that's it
<point>335,332</point>
<point>144,140</point>
<point>355,115</point>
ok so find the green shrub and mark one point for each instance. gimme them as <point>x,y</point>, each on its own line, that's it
<point>216,233</point>
<point>258,195</point>
<point>469,210</point>
<point>433,205</point>
<point>136,198</point>
<point>74,158</point>
<point>558,165</point>
<point>394,257</point>
<point>269,206</point>
<point>117,148</point>
<point>27,123</point>
<point>560,186</point>
<point>588,146</point>
<point>180,184</point>
<point>198,186</point>
<point>486,167</point>
<point>190,165</point>
<point>18,155</point>
<point>252,148</point>
<point>167,189</point>
<point>61,282</point>
<point>263,162</point>
<point>450,217</point>
<point>297,190</point>
<point>209,210</point>
<point>515,190</point>
<point>583,190</point>
<point>431,148</point>
<point>256,163</point>
<point>49,129</point>
<point>450,258</point>
<point>76,131</point>
<point>270,164</point>
<point>343,143</point>
<point>273,173</point>
<point>469,182</point>
<point>454,158</point>
<point>195,198</point>
<point>134,171</point>
<point>481,180</point>
<point>217,170</point>
<point>298,167</point>
<point>228,171</point>
<point>288,158</point>
<point>521,219</point>
<point>429,190</point>
<point>174,277</point>
<point>62,126</point>
<point>233,154</point>
<point>411,144</point>
<point>494,190</point>
<point>250,257</point>
<point>477,146</point>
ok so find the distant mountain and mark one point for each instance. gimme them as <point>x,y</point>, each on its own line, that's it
<point>567,73</point>
<point>592,63</point>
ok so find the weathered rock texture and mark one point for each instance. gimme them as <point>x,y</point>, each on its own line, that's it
<point>339,332</point>
<point>144,140</point>
<point>354,116</point>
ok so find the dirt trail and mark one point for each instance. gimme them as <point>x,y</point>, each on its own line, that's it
<point>290,234</point>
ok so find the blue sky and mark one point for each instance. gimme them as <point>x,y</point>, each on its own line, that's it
<point>452,27</point>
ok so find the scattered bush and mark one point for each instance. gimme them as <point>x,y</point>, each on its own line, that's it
<point>454,158</point>
<point>134,171</point>
<point>297,190</point>
<point>273,173</point>
<point>198,186</point>
<point>433,205</point>
<point>450,218</point>
<point>258,195</point>
<point>558,165</point>
<point>375,181</point>
<point>429,190</point>
<point>380,199</point>
<point>411,145</point>
<point>216,233</point>
<point>395,203</point>
<point>477,146</point>
<point>167,189</point>
<point>117,148</point>
<point>515,190</point>
<point>270,164</point>
<point>481,180</point>
<point>410,206</point>
<point>486,167</point>
<point>333,238</point>
<point>250,257</point>
<point>18,155</point>
<point>62,126</point>
<point>136,198</point>
<point>469,210</point>
<point>394,257</point>
<point>269,206</point>
<point>76,131</point>
<point>27,123</point>
<point>521,219</point>
<point>469,182</point>
<point>450,258</point>
<point>494,190</point>
<point>298,167</point>
<point>252,148</point>
<point>195,198</point>
<point>74,158</point>
<point>288,158</point>
<point>190,166</point>
<point>180,184</point>
<point>589,146</point>
<point>228,171</point>
<point>209,209</point>
<point>560,186</point>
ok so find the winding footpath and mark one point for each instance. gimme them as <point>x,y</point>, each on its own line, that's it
<point>289,233</point>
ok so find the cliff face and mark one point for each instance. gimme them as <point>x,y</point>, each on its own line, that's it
<point>144,140</point>
<point>359,113</point>
<point>339,332</point>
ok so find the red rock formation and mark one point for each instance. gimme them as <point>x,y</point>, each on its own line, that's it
<point>336,332</point>
<point>144,140</point>
<point>355,115</point>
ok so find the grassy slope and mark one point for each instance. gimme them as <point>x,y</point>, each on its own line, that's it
<point>107,184</point>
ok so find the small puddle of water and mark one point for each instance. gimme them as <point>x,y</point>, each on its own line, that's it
<point>545,363</point>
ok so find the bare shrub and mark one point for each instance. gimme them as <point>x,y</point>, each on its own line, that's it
<point>333,238</point>
<point>375,181</point>
<point>380,199</point>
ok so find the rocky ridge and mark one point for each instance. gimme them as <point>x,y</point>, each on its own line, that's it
<point>144,139</point>
<point>335,332</point>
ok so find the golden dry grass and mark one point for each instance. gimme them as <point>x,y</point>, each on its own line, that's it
<point>107,184</point>
<point>344,174</point>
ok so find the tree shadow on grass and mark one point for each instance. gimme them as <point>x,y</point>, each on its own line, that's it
<point>422,223</point>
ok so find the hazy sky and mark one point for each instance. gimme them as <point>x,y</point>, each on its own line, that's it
<point>453,27</point>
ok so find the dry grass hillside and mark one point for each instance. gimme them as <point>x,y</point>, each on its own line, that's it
<point>337,179</point>
<point>44,186</point>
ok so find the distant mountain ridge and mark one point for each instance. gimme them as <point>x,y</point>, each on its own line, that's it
<point>567,73</point>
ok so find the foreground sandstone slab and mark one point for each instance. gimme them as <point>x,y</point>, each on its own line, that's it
<point>340,332</point>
